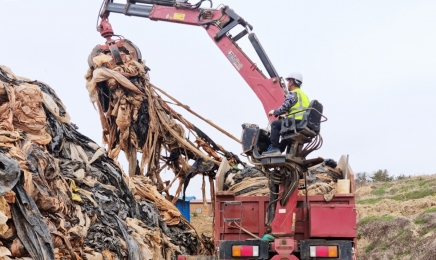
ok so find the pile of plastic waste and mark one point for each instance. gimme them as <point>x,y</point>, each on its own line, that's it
<point>62,196</point>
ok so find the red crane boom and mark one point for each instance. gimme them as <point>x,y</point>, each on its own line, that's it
<point>217,23</point>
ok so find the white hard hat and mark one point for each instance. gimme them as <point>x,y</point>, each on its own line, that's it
<point>295,75</point>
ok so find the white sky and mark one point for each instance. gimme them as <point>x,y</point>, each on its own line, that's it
<point>372,64</point>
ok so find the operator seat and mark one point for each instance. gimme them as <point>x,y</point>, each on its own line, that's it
<point>304,131</point>
<point>256,140</point>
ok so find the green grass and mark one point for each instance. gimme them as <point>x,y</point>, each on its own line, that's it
<point>383,247</point>
<point>370,247</point>
<point>427,230</point>
<point>405,252</point>
<point>430,210</point>
<point>379,191</point>
<point>393,191</point>
<point>420,221</point>
<point>398,197</point>
<point>407,188</point>
<point>387,185</point>
<point>416,194</point>
<point>422,183</point>
<point>368,219</point>
<point>400,232</point>
<point>369,201</point>
<point>401,235</point>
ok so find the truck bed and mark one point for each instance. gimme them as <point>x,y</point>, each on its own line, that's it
<point>333,219</point>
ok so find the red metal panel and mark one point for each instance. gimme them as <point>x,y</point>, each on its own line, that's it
<point>332,220</point>
<point>284,220</point>
<point>253,217</point>
<point>301,224</point>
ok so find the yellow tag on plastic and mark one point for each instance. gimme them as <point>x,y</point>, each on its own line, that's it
<point>179,16</point>
<point>76,197</point>
<point>74,188</point>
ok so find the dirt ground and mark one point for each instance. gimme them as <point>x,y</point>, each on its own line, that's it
<point>203,225</point>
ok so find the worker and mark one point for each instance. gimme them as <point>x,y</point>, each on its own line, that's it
<point>295,103</point>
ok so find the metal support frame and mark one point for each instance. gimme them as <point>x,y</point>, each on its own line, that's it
<point>130,10</point>
<point>263,56</point>
<point>230,220</point>
<point>235,20</point>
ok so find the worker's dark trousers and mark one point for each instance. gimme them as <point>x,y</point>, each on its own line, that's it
<point>275,134</point>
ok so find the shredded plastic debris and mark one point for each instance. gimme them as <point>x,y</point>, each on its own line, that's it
<point>250,181</point>
<point>64,197</point>
<point>322,179</point>
<point>135,119</point>
<point>324,173</point>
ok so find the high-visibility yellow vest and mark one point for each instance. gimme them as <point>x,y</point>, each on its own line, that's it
<point>298,108</point>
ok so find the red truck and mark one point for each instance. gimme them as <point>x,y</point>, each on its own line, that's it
<point>283,225</point>
<point>318,230</point>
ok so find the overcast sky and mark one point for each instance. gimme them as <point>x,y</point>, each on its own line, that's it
<point>372,64</point>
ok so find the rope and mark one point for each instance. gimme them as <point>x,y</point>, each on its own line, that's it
<point>251,182</point>
<point>183,141</point>
<point>243,229</point>
<point>197,115</point>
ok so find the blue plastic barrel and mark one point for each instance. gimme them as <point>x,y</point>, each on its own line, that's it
<point>184,207</point>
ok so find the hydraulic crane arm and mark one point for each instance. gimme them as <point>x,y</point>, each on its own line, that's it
<point>218,23</point>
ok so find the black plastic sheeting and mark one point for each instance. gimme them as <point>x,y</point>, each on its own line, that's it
<point>201,166</point>
<point>326,168</point>
<point>206,138</point>
<point>31,229</point>
<point>250,172</point>
<point>9,173</point>
<point>141,124</point>
<point>103,95</point>
<point>330,162</point>
<point>239,175</point>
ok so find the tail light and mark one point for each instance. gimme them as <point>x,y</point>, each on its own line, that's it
<point>245,250</point>
<point>324,251</point>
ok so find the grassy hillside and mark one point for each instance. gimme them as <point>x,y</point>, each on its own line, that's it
<point>397,219</point>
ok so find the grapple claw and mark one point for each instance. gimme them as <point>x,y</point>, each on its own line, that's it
<point>118,49</point>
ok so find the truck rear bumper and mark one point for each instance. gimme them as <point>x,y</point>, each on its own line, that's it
<point>196,257</point>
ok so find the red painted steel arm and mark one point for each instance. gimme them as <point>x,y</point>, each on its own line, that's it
<point>268,90</point>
